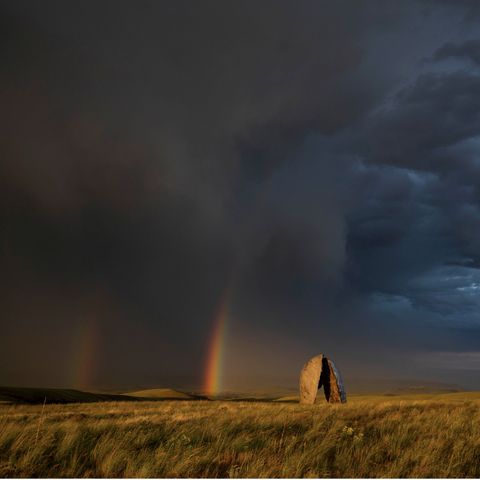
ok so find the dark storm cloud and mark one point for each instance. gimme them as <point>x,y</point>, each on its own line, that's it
<point>306,155</point>
<point>469,50</point>
<point>425,138</point>
<point>438,111</point>
<point>193,86</point>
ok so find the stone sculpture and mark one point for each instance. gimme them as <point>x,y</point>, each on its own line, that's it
<point>319,372</point>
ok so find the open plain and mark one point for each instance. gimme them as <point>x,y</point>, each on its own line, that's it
<point>430,435</point>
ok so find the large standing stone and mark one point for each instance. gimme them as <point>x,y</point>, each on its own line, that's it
<point>317,372</point>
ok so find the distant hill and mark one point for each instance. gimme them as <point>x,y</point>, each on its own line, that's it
<point>379,389</point>
<point>56,395</point>
<point>63,395</point>
<point>419,389</point>
<point>163,394</point>
<point>399,387</point>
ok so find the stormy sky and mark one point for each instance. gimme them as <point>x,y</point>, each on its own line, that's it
<point>320,160</point>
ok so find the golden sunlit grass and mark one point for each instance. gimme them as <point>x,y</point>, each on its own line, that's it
<point>437,436</point>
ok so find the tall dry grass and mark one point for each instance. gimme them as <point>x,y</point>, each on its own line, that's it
<point>428,438</point>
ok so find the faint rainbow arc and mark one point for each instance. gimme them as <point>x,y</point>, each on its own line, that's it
<point>84,352</point>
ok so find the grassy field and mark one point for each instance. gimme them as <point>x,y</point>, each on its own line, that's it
<point>417,435</point>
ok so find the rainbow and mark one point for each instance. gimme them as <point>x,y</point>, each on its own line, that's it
<point>83,355</point>
<point>213,370</point>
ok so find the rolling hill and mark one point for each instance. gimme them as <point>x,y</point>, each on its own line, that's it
<point>163,394</point>
<point>56,395</point>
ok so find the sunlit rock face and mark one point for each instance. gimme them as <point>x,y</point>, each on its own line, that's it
<point>317,372</point>
<point>310,379</point>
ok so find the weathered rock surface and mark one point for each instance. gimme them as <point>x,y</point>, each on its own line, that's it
<point>337,390</point>
<point>319,372</point>
<point>309,380</point>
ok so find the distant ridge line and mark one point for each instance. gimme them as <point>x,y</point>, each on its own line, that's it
<point>26,395</point>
